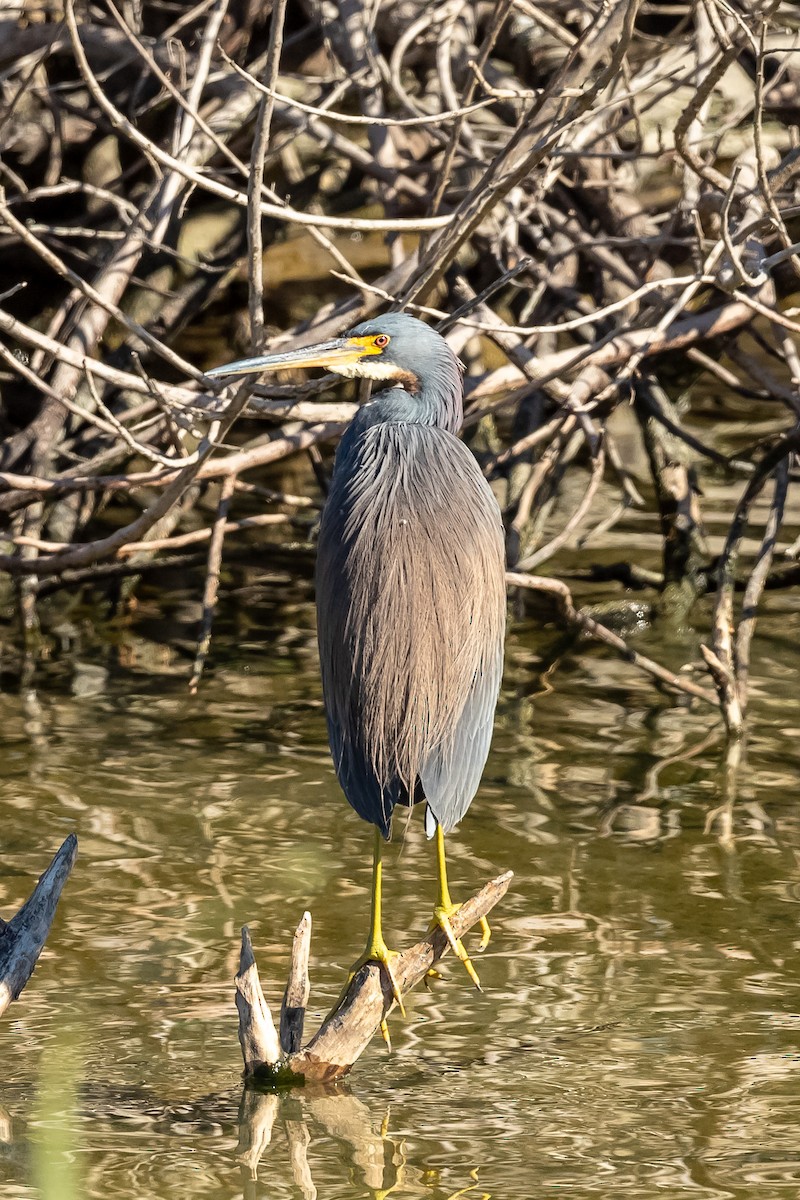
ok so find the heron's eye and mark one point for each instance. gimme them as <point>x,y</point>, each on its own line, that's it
<point>382,340</point>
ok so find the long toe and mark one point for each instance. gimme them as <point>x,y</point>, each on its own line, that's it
<point>380,953</point>
<point>441,920</point>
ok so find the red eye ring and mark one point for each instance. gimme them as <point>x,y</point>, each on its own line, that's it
<point>382,340</point>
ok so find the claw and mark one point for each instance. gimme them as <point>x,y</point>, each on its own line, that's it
<point>381,954</point>
<point>392,981</point>
<point>377,951</point>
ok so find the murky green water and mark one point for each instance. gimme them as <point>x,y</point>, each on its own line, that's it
<point>638,1033</point>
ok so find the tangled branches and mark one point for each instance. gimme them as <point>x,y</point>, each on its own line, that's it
<point>604,193</point>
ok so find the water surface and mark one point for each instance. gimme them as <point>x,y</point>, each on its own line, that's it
<point>638,1032</point>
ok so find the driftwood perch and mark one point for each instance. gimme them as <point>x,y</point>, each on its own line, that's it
<point>348,1029</point>
<point>22,938</point>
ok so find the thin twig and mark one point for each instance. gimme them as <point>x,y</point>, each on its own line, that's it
<point>255,242</point>
<point>212,581</point>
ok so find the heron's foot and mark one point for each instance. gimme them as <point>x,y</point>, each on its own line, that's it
<point>377,951</point>
<point>442,915</point>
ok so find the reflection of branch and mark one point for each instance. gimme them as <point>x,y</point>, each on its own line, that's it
<point>257,1114</point>
<point>371,1153</point>
<point>347,1119</point>
<point>23,938</point>
<point>348,1029</point>
<point>722,815</point>
<point>298,1138</point>
<point>728,658</point>
<point>576,618</point>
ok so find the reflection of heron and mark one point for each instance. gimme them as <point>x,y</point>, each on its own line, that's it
<point>410,594</point>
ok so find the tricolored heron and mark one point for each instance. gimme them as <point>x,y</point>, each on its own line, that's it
<point>410,594</point>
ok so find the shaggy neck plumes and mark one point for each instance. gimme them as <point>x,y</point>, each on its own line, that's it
<point>439,404</point>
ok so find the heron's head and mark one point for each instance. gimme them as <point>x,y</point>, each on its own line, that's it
<point>394,348</point>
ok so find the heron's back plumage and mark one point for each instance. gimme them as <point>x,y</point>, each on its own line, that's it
<point>411,616</point>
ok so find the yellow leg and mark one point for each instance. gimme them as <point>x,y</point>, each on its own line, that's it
<point>376,949</point>
<point>445,908</point>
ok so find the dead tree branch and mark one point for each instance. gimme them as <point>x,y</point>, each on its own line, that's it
<point>347,1031</point>
<point>172,189</point>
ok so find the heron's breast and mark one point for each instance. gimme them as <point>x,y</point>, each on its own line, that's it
<point>415,484</point>
<point>410,591</point>
<point>412,536</point>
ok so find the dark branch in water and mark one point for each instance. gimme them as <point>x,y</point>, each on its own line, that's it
<point>575,618</point>
<point>22,938</point>
<point>728,657</point>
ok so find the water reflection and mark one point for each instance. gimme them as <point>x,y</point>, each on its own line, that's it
<point>374,1160</point>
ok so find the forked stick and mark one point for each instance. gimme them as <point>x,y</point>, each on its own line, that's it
<point>347,1031</point>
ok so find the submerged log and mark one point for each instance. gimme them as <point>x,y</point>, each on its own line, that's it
<point>22,938</point>
<point>348,1029</point>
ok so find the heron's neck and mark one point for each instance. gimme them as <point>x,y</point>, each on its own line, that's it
<point>441,406</point>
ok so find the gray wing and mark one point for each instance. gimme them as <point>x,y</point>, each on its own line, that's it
<point>452,774</point>
<point>373,797</point>
<point>411,616</point>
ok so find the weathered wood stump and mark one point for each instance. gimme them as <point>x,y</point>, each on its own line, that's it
<point>280,1059</point>
<point>22,938</point>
